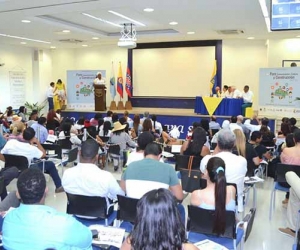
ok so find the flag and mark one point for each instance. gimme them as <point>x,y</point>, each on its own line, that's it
<point>128,85</point>
<point>120,82</point>
<point>213,80</point>
<point>112,81</point>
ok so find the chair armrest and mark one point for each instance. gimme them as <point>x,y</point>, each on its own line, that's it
<point>240,223</point>
<point>111,205</point>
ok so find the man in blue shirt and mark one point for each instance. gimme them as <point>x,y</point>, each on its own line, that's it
<point>35,226</point>
<point>40,130</point>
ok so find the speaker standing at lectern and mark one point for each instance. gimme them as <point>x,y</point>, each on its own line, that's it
<point>100,93</point>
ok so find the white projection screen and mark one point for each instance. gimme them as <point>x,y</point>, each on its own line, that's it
<point>174,72</point>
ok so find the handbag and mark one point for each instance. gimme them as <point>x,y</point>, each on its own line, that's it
<point>191,179</point>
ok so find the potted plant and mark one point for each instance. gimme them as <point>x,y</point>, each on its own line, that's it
<point>35,106</point>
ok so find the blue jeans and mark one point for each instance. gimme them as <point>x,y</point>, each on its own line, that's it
<point>51,104</point>
<point>52,171</point>
<point>244,106</point>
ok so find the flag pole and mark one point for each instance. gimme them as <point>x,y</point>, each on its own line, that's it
<point>112,87</point>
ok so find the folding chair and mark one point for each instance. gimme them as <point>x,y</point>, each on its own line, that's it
<point>65,143</point>
<point>91,210</point>
<point>53,152</point>
<point>72,156</point>
<point>281,170</point>
<point>18,161</point>
<point>126,212</point>
<point>114,152</point>
<point>200,227</point>
<point>248,222</point>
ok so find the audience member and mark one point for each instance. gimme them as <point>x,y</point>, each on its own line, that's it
<point>33,225</point>
<point>9,115</point>
<point>293,122</point>
<point>196,145</point>
<point>52,121</point>
<point>236,166</point>
<point>137,127</point>
<point>285,129</point>
<point>146,116</point>
<point>156,125</point>
<point>106,129</point>
<point>147,126</point>
<point>32,119</point>
<point>217,195</point>
<point>268,137</point>
<point>261,150</point>
<point>120,137</point>
<point>246,150</point>
<point>233,124</point>
<point>21,113</point>
<point>153,229</point>
<point>128,119</point>
<point>17,129</point>
<point>289,142</point>
<point>58,114</point>
<point>239,122</point>
<point>109,116</point>
<point>80,123</point>
<point>40,130</point>
<point>264,121</point>
<point>94,120</point>
<point>247,96</point>
<point>89,180</point>
<point>148,174</point>
<point>166,138</point>
<point>67,134</point>
<point>31,149</point>
<point>213,124</point>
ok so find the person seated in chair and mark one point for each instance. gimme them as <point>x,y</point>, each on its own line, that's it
<point>35,226</point>
<point>32,149</point>
<point>154,228</point>
<point>217,195</point>
<point>89,180</point>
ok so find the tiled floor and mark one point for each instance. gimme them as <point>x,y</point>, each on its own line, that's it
<point>264,235</point>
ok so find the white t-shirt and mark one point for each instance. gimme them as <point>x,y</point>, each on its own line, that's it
<point>235,171</point>
<point>87,179</point>
<point>101,132</point>
<point>248,97</point>
<point>236,94</point>
<point>73,138</point>
<point>15,147</point>
<point>158,126</point>
<point>234,126</point>
<point>50,92</point>
<point>137,156</point>
<point>99,82</point>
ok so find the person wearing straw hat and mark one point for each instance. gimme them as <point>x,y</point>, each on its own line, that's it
<point>120,137</point>
<point>16,118</point>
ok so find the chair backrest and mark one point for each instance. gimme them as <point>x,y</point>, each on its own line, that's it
<point>236,193</point>
<point>202,221</point>
<point>72,154</point>
<point>92,206</point>
<point>248,222</point>
<point>282,169</point>
<point>127,208</point>
<point>214,131</point>
<point>65,143</point>
<point>182,162</point>
<point>53,149</point>
<point>113,149</point>
<point>19,161</point>
<point>2,184</point>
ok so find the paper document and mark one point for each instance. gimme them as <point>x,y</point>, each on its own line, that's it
<point>111,236</point>
<point>209,245</point>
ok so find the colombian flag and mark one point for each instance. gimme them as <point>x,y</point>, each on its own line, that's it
<point>120,81</point>
<point>213,80</point>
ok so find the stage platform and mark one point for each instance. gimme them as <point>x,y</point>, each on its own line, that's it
<point>182,118</point>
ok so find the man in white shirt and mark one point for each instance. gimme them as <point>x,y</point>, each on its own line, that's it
<point>251,127</point>
<point>225,93</point>
<point>50,95</point>
<point>235,92</point>
<point>233,124</point>
<point>247,96</point>
<point>236,166</point>
<point>213,124</point>
<point>88,179</point>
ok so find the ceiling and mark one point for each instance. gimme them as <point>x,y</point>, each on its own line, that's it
<point>204,17</point>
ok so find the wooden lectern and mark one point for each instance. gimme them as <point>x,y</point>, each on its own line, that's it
<point>100,97</point>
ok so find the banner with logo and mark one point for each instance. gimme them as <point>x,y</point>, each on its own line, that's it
<point>279,92</point>
<point>80,90</point>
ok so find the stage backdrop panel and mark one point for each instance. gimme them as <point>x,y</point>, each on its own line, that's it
<point>176,72</point>
<point>80,90</point>
<point>279,92</point>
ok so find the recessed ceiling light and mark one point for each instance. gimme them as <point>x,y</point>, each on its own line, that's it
<point>26,21</point>
<point>84,45</point>
<point>66,31</point>
<point>23,42</point>
<point>127,18</point>
<point>95,38</point>
<point>191,32</point>
<point>250,37</point>
<point>24,38</point>
<point>101,20</point>
<point>52,47</point>
<point>148,10</point>
<point>173,23</point>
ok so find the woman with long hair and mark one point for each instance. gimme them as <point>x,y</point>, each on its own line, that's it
<point>158,225</point>
<point>217,195</point>
<point>156,125</point>
<point>147,126</point>
<point>268,137</point>
<point>106,129</point>
<point>196,145</point>
<point>21,113</point>
<point>52,120</point>
<point>66,133</point>
<point>246,150</point>
<point>137,127</point>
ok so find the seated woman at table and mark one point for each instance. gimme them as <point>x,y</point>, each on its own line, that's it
<point>158,224</point>
<point>167,139</point>
<point>196,145</point>
<point>66,133</point>
<point>147,126</point>
<point>217,195</point>
<point>137,127</point>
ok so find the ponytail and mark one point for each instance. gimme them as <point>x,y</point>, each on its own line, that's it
<point>220,201</point>
<point>15,131</point>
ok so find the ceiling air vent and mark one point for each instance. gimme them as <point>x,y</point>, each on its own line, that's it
<point>230,32</point>
<point>70,41</point>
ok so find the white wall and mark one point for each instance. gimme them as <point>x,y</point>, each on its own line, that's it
<point>241,62</point>
<point>16,58</point>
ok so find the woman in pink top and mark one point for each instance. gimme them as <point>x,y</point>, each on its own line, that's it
<point>291,156</point>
